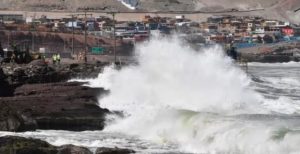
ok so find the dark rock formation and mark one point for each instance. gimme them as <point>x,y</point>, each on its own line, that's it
<point>13,76</point>
<point>270,58</point>
<point>5,88</point>
<point>60,106</point>
<point>84,70</point>
<point>115,150</point>
<point>23,74</point>
<point>12,120</point>
<point>71,149</point>
<point>20,145</point>
<point>33,97</point>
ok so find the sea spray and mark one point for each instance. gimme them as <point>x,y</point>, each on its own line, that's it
<point>170,74</point>
<point>199,100</point>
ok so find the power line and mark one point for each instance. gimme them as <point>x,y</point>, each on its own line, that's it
<point>85,33</point>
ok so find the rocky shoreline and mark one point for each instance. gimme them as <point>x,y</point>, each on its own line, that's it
<point>20,145</point>
<point>36,72</point>
<point>27,98</point>
<point>37,96</point>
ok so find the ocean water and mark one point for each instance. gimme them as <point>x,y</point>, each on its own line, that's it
<point>177,100</point>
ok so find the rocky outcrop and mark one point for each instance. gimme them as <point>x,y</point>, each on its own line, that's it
<point>12,120</point>
<point>115,150</point>
<point>33,96</point>
<point>39,72</point>
<point>5,89</point>
<point>20,145</point>
<point>71,149</point>
<point>60,106</point>
<point>84,70</point>
<point>13,76</point>
<point>270,58</point>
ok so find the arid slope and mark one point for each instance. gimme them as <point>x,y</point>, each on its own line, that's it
<point>275,9</point>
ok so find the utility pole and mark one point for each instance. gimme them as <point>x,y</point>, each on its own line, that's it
<point>73,35</point>
<point>85,33</point>
<point>115,40</point>
<point>73,29</point>
<point>32,41</point>
<point>8,40</point>
<point>85,37</point>
<point>114,36</point>
<point>64,45</point>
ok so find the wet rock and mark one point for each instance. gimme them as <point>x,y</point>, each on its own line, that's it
<point>36,98</point>
<point>59,106</point>
<point>20,145</point>
<point>115,150</point>
<point>5,87</point>
<point>39,72</point>
<point>12,120</point>
<point>85,70</point>
<point>9,121</point>
<point>269,58</point>
<point>18,75</point>
<point>71,149</point>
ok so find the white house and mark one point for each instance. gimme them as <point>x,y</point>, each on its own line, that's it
<point>259,30</point>
<point>29,20</point>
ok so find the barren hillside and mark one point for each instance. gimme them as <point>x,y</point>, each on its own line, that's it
<point>276,9</point>
<point>57,5</point>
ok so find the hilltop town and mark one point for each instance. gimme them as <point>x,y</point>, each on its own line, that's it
<point>90,35</point>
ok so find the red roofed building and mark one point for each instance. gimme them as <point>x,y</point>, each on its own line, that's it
<point>287,31</point>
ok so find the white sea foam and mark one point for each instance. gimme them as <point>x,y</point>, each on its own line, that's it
<point>286,64</point>
<point>198,100</point>
<point>172,75</point>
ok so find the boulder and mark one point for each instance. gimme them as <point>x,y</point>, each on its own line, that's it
<point>9,120</point>
<point>6,89</point>
<point>12,120</point>
<point>84,70</point>
<point>104,150</point>
<point>20,145</point>
<point>71,149</point>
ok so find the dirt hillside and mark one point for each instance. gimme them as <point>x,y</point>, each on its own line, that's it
<point>275,9</point>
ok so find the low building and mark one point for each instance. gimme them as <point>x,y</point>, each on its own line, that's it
<point>29,20</point>
<point>11,18</point>
<point>270,23</point>
<point>75,24</point>
<point>296,30</point>
<point>259,30</point>
<point>287,31</point>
